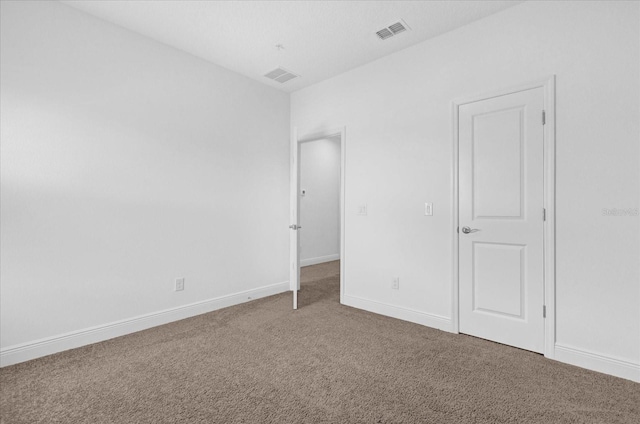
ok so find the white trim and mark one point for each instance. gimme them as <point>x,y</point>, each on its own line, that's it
<point>50,345</point>
<point>540,83</point>
<point>455,263</point>
<point>548,86</point>
<point>343,199</point>
<point>319,260</point>
<point>550,223</point>
<point>597,362</point>
<point>294,238</point>
<point>405,314</point>
<point>342,132</point>
<point>320,135</point>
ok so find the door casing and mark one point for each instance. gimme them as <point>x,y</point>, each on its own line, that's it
<point>548,86</point>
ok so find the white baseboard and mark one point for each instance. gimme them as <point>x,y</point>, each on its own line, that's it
<point>418,317</point>
<point>47,346</point>
<point>597,362</point>
<point>319,260</point>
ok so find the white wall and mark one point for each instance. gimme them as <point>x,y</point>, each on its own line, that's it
<point>398,115</point>
<point>320,206</point>
<point>127,164</point>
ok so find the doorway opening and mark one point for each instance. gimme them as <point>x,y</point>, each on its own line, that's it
<point>317,216</point>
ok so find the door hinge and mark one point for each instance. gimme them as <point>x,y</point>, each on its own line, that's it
<point>544,117</point>
<point>544,214</point>
<point>544,311</point>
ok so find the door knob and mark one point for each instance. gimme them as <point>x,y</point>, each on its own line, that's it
<point>467,230</point>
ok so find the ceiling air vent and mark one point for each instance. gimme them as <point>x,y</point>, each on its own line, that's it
<point>393,29</point>
<point>281,75</point>
<point>384,34</point>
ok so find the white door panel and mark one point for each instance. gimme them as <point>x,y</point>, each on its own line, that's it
<point>501,203</point>
<point>498,293</point>
<point>497,162</point>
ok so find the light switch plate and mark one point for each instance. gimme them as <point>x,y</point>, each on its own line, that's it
<point>362,210</point>
<point>428,209</point>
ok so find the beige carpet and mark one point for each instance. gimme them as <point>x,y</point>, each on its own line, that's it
<point>261,362</point>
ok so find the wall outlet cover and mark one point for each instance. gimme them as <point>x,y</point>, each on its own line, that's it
<point>179,284</point>
<point>395,284</point>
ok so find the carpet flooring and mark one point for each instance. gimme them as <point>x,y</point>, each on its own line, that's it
<point>261,362</point>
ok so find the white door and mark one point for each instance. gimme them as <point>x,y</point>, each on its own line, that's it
<point>294,238</point>
<point>501,272</point>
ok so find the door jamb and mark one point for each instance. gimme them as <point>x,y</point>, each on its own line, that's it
<point>341,132</point>
<point>549,226</point>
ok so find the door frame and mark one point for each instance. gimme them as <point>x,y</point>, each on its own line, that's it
<point>549,184</point>
<point>296,140</point>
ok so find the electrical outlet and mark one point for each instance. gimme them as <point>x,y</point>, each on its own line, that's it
<point>395,284</point>
<point>179,284</point>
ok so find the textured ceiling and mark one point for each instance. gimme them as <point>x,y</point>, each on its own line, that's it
<point>321,39</point>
